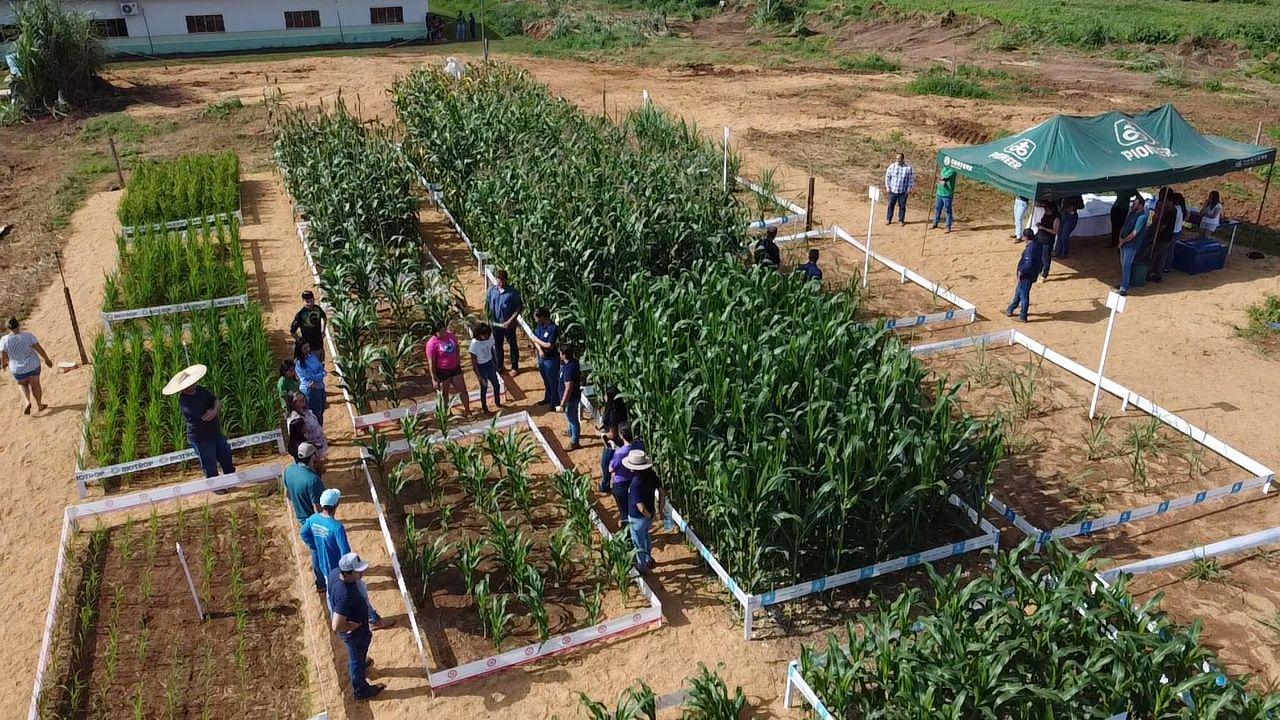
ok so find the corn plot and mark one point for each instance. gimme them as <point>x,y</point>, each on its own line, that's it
<point>191,186</point>
<point>793,440</point>
<point>1038,638</point>
<point>384,289</point>
<point>130,418</point>
<point>168,267</point>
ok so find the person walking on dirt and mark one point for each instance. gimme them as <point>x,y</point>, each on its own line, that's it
<point>309,324</point>
<point>21,352</point>
<point>303,486</point>
<point>486,368</point>
<point>899,181</point>
<point>945,195</point>
<point>1028,268</point>
<point>325,536</point>
<point>311,374</point>
<point>504,306</point>
<point>200,410</point>
<point>545,336</point>
<point>353,619</point>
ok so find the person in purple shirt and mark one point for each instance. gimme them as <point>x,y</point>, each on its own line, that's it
<point>621,475</point>
<point>504,306</point>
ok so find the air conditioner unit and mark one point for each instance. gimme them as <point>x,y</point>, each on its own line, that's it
<point>130,8</point>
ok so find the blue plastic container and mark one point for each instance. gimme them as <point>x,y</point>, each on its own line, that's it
<point>1199,256</point>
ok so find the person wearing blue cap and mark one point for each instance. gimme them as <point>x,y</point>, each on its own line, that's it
<point>353,619</point>
<point>326,537</point>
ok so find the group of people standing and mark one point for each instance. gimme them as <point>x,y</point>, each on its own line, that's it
<point>769,254</point>
<point>628,475</point>
<point>1150,232</point>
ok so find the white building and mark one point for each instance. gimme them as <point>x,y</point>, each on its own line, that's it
<point>160,27</point>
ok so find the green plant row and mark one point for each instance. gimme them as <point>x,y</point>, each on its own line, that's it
<point>131,419</point>
<point>797,442</point>
<point>357,192</point>
<point>189,186</point>
<point>706,698</point>
<point>1037,638</point>
<point>168,267</point>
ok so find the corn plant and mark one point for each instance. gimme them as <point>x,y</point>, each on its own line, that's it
<point>635,703</point>
<point>592,604</point>
<point>1047,630</point>
<point>1206,570</point>
<point>376,448</point>
<point>1097,440</point>
<point>618,558</point>
<point>430,559</point>
<point>1022,390</point>
<point>470,555</point>
<point>562,543</point>
<point>533,595</point>
<point>190,186</point>
<point>493,613</point>
<point>709,699</point>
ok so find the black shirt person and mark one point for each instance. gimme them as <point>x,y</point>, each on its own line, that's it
<point>200,410</point>
<point>309,324</point>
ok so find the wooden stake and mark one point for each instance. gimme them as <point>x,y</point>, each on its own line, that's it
<point>1271,170</point>
<point>71,310</point>
<point>116,156</point>
<point>808,208</point>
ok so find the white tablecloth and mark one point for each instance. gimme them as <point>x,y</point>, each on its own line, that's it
<point>1095,218</point>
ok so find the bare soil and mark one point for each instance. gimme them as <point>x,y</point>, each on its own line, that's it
<point>144,653</point>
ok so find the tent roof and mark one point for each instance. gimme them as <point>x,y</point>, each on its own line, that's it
<point>1069,155</point>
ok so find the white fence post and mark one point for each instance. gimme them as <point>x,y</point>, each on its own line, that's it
<point>1115,301</point>
<point>873,192</point>
<point>725,179</point>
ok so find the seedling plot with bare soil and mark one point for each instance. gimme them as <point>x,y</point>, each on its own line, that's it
<point>1059,467</point>
<point>126,638</point>
<point>502,550</point>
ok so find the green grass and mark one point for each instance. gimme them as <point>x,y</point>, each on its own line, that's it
<point>868,62</point>
<point>221,109</point>
<point>1097,23</point>
<point>123,127</point>
<point>1260,317</point>
<point>75,187</point>
<point>938,81</point>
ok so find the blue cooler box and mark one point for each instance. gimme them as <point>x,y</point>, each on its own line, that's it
<point>1198,256</point>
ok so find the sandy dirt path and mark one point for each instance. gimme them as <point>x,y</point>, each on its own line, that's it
<point>38,455</point>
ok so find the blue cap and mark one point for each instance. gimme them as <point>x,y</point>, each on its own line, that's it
<point>329,498</point>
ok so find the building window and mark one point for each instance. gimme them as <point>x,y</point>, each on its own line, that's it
<point>114,27</point>
<point>205,24</point>
<point>386,15</point>
<point>301,19</point>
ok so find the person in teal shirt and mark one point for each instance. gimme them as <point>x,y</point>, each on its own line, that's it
<point>946,193</point>
<point>326,537</point>
<point>302,484</point>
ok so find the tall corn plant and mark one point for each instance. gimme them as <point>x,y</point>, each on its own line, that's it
<point>1053,643</point>
<point>189,186</point>
<point>798,443</point>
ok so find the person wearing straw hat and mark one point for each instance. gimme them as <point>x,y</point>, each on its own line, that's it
<point>642,505</point>
<point>200,410</point>
<point>302,483</point>
<point>353,619</point>
<point>326,537</point>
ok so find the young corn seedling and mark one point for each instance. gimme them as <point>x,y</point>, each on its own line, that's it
<point>708,699</point>
<point>1097,440</point>
<point>427,458</point>
<point>1022,390</point>
<point>635,703</point>
<point>1194,455</point>
<point>533,595</point>
<point>470,555</point>
<point>376,449</point>
<point>431,558</point>
<point>1206,570</point>
<point>592,604</point>
<point>562,544</point>
<point>619,559</point>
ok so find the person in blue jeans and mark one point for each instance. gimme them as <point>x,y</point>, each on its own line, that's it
<point>325,536</point>
<point>311,374</point>
<point>1028,268</point>
<point>504,305</point>
<point>571,394</point>
<point>613,414</point>
<point>485,364</point>
<point>1131,234</point>
<point>1020,207</point>
<point>620,475</point>
<point>1069,214</point>
<point>1047,229</point>
<point>546,335</point>
<point>353,620</point>
<point>946,194</point>
<point>200,411</point>
<point>899,181</point>
<point>642,506</point>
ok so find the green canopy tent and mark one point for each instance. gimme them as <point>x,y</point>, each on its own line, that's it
<point>1067,155</point>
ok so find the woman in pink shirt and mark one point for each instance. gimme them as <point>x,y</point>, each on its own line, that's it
<point>445,364</point>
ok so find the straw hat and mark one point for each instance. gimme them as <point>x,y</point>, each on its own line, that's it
<point>637,460</point>
<point>185,379</point>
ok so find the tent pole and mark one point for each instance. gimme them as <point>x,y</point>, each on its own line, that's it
<point>1271,170</point>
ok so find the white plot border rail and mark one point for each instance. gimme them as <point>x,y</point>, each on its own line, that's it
<point>964,311</point>
<point>116,316</point>
<point>1260,475</point>
<point>632,622</point>
<point>72,516</point>
<point>96,475</point>
<point>130,230</point>
<point>751,603</point>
